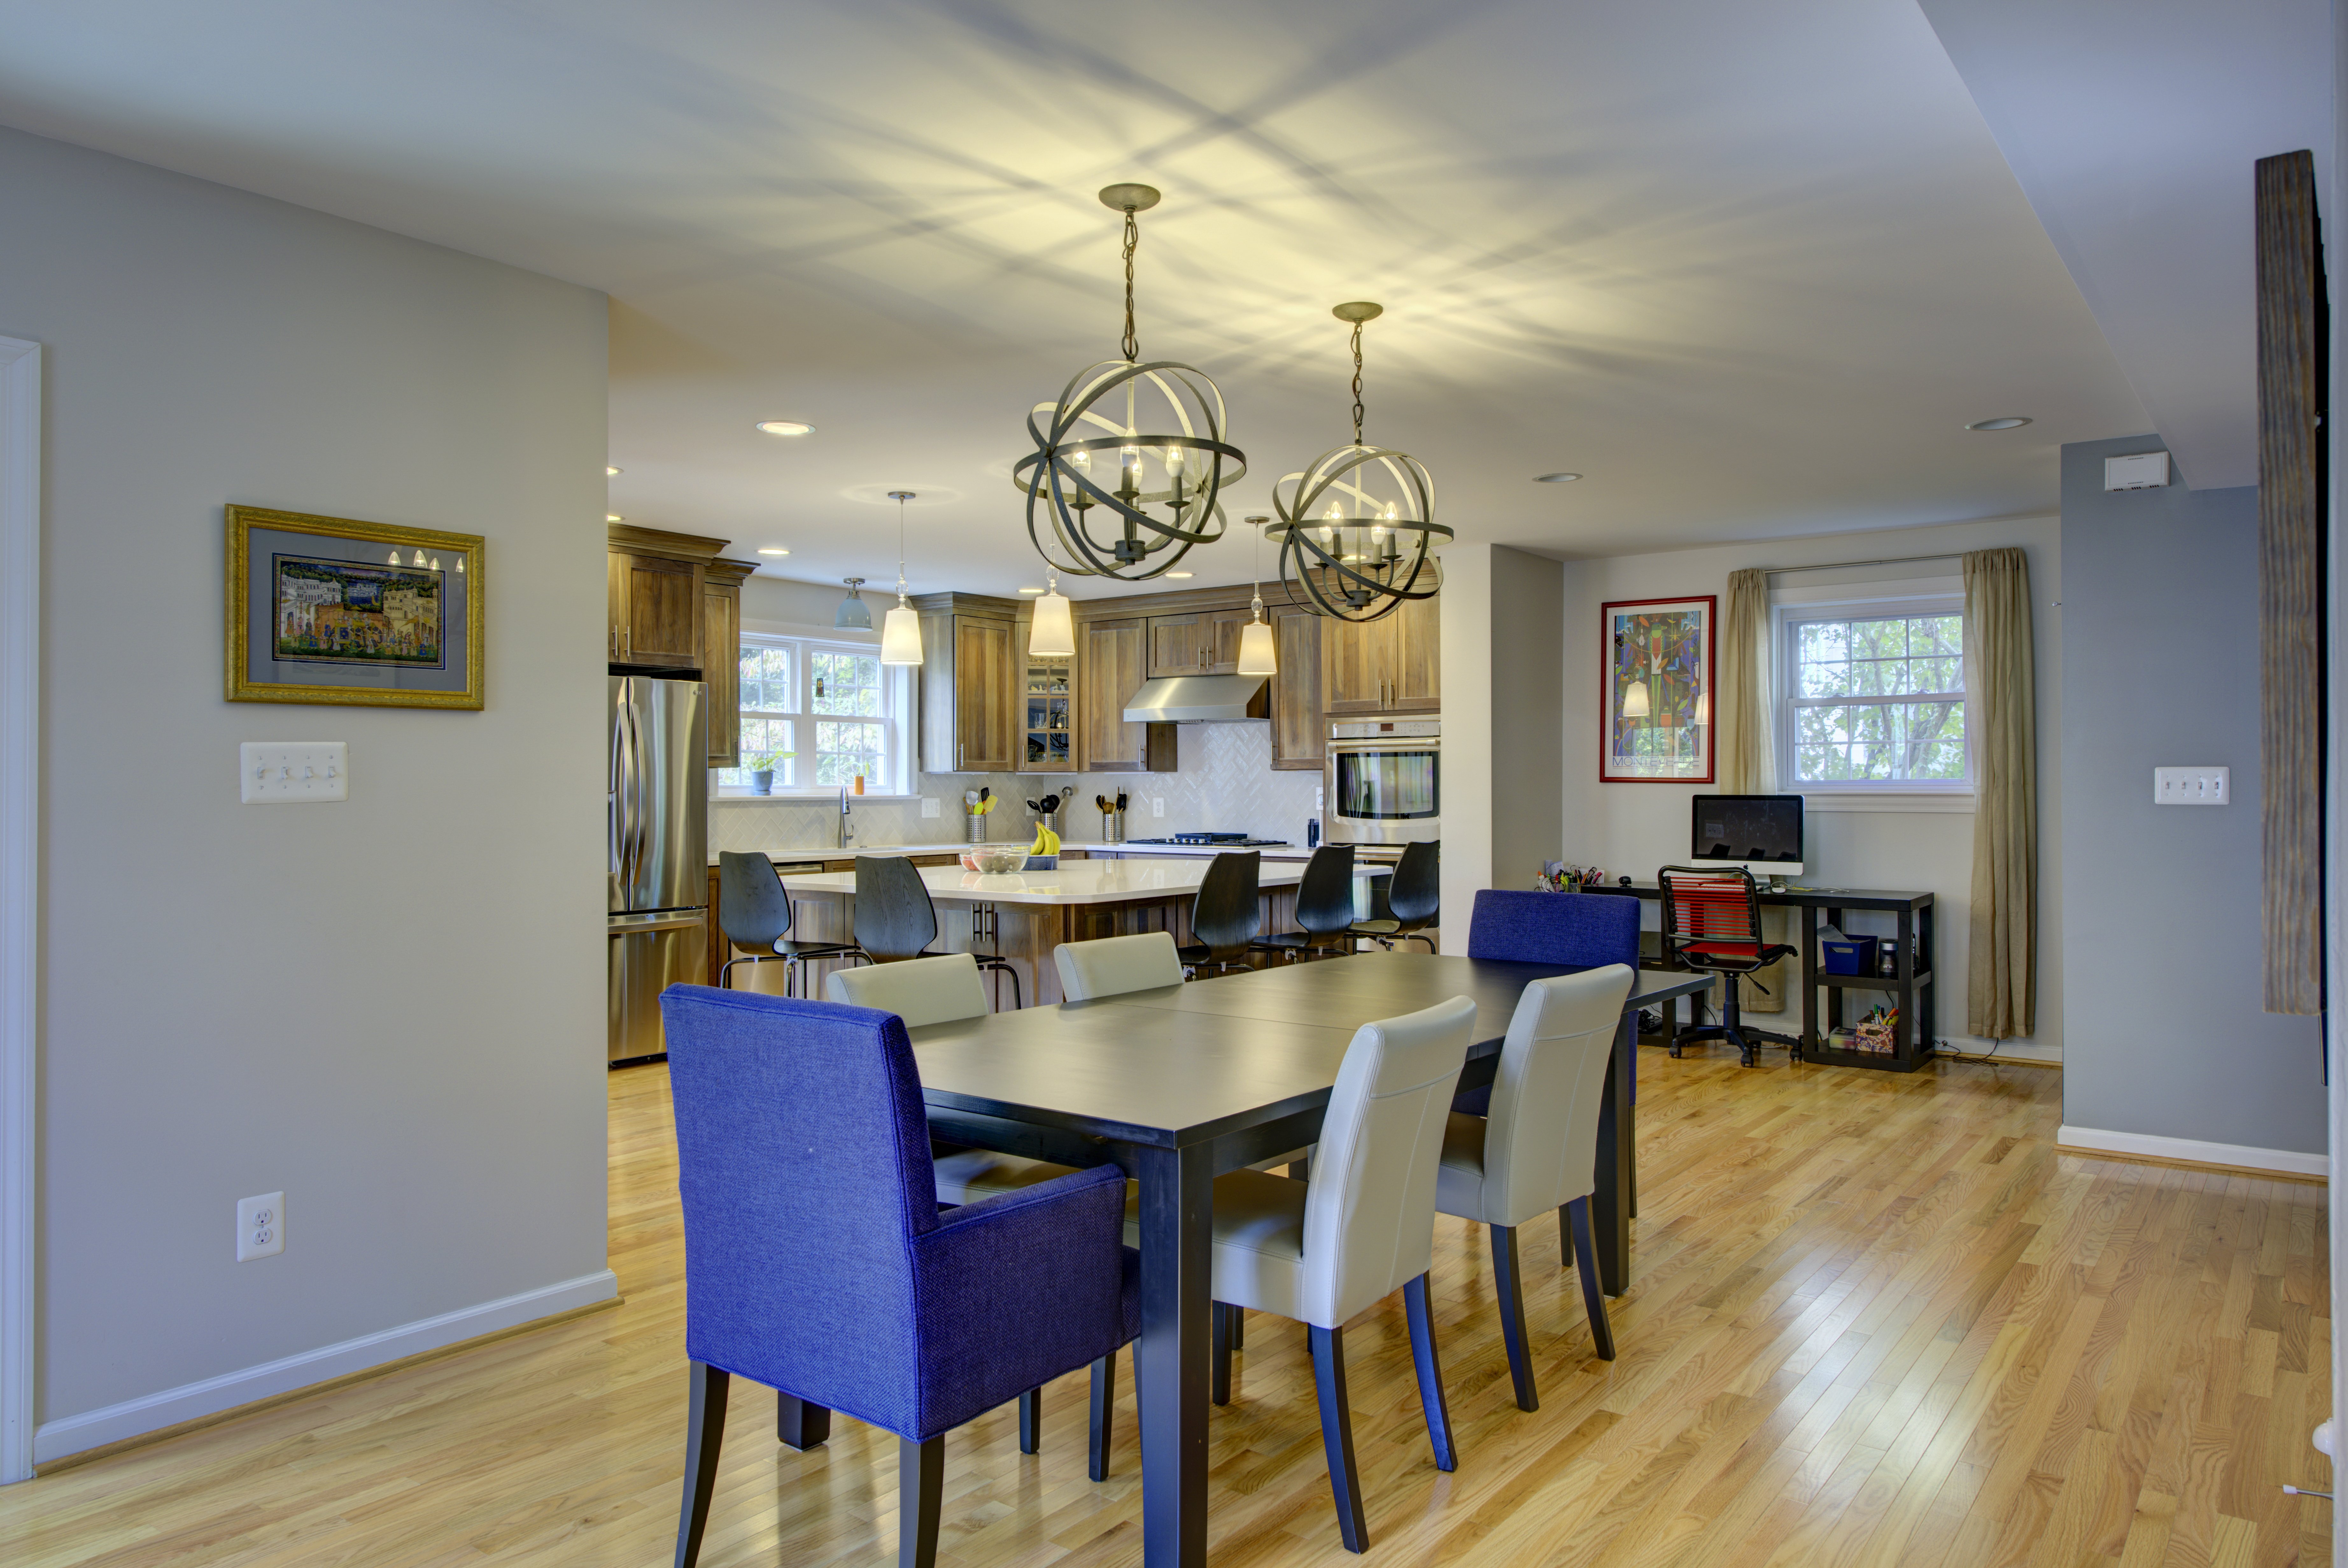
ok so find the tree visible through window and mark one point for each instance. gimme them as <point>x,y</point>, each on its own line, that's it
<point>818,715</point>
<point>1877,699</point>
<point>849,736</point>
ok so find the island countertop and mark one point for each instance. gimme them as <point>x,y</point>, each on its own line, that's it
<point>1075,882</point>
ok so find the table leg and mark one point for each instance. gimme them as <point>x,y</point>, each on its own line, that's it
<point>1808,918</point>
<point>1610,1206</point>
<point>1170,1361</point>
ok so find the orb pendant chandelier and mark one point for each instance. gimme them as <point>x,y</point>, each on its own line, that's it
<point>1356,528</point>
<point>1128,440</point>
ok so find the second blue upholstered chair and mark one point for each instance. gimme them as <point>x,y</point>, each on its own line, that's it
<point>1588,929</point>
<point>816,1262</point>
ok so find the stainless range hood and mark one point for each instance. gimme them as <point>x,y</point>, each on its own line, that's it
<point>1194,699</point>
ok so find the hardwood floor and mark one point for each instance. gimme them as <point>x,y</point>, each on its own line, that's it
<point>1875,1319</point>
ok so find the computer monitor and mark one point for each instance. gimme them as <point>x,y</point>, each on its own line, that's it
<point>1763,834</point>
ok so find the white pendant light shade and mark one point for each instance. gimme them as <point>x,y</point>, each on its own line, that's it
<point>1054,635</point>
<point>1257,654</point>
<point>1634,700</point>
<point>901,636</point>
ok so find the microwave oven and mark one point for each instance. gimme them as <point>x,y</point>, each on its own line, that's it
<point>1383,781</point>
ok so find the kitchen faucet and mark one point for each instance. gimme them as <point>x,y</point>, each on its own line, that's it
<point>847,825</point>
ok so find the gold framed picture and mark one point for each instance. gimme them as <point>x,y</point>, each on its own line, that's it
<point>333,610</point>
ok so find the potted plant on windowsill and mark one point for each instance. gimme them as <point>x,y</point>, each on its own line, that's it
<point>762,771</point>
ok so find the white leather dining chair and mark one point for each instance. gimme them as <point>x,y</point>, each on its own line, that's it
<point>1537,1152</point>
<point>1113,965</point>
<point>1323,1251</point>
<point>920,991</point>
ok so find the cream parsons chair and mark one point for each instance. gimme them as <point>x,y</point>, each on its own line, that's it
<point>1537,1150</point>
<point>1324,1250</point>
<point>1116,964</point>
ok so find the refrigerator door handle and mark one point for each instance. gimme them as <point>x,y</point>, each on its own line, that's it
<point>631,849</point>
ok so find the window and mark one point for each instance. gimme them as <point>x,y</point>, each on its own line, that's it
<point>1872,696</point>
<point>819,714</point>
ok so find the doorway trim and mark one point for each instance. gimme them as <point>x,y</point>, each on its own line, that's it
<point>20,886</point>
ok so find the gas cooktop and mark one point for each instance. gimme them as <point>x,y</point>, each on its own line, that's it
<point>1233,841</point>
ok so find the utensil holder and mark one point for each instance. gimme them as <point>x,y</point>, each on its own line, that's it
<point>974,828</point>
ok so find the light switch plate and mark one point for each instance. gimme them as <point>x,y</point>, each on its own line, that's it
<point>929,805</point>
<point>274,772</point>
<point>2191,785</point>
<point>260,1226</point>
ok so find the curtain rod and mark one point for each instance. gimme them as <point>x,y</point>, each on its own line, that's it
<point>1841,565</point>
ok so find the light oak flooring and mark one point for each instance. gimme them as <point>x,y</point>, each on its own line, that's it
<point>1874,1320</point>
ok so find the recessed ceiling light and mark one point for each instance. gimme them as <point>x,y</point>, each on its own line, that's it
<point>1556,478</point>
<point>774,552</point>
<point>1031,590</point>
<point>613,517</point>
<point>609,471</point>
<point>787,427</point>
<point>2003,422</point>
<point>1181,574</point>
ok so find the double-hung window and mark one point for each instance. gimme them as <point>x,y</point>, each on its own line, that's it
<point>821,715</point>
<point>1872,693</point>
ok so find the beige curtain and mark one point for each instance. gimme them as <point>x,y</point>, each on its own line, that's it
<point>1748,744</point>
<point>2001,987</point>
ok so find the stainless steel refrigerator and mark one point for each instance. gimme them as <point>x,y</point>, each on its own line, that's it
<point>658,848</point>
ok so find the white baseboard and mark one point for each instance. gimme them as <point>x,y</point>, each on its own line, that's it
<point>2288,1160</point>
<point>94,1428</point>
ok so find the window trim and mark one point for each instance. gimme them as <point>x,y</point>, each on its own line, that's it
<point>1789,607</point>
<point>895,721</point>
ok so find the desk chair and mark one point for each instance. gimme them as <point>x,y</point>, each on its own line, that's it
<point>1414,895</point>
<point>1325,908</point>
<point>1226,914</point>
<point>1538,1151</point>
<point>818,1264</point>
<point>1712,921</point>
<point>895,920</point>
<point>754,911</point>
<point>1324,1250</point>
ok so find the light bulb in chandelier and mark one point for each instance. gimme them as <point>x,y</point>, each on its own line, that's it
<point>1172,458</point>
<point>1384,497</point>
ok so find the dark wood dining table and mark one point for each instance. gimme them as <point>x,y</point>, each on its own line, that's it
<point>1180,1084</point>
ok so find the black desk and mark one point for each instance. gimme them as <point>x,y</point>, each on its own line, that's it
<point>1911,986</point>
<point>1179,1085</point>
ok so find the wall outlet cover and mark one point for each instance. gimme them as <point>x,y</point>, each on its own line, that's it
<point>929,805</point>
<point>1158,805</point>
<point>2192,786</point>
<point>260,1226</point>
<point>277,773</point>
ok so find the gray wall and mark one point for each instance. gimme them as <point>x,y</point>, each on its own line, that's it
<point>2161,1026</point>
<point>389,1008</point>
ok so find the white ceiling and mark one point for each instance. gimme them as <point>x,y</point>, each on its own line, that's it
<point>1750,268</point>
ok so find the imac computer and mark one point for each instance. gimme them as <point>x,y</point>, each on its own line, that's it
<point>1763,834</point>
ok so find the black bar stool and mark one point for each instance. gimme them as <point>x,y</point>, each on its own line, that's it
<point>753,910</point>
<point>1414,897</point>
<point>1325,908</point>
<point>1226,914</point>
<point>896,920</point>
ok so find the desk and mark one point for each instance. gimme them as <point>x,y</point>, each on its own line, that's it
<point>1179,1085</point>
<point>1912,987</point>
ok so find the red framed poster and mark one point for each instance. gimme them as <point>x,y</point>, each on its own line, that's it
<point>1657,673</point>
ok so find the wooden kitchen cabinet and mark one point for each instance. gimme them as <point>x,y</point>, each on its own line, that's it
<point>1113,661</point>
<point>1392,664</point>
<point>1414,657</point>
<point>1203,643</point>
<point>1300,726</point>
<point>970,680</point>
<point>655,605</point>
<point>1047,707</point>
<point>721,641</point>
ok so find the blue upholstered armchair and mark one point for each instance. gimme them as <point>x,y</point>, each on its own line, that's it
<point>1592,930</point>
<point>818,1264</point>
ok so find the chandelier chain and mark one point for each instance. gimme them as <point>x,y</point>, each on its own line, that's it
<point>1357,384</point>
<point>1132,344</point>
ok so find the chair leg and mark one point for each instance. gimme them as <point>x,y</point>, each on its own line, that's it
<point>1239,1328</point>
<point>801,1426</point>
<point>1430,1374</point>
<point>1507,1284</point>
<point>1103,1404</point>
<point>725,974</point>
<point>1219,1368</point>
<point>1030,1421</point>
<point>704,1431</point>
<point>1337,1435</point>
<point>921,1490</point>
<point>1585,1262</point>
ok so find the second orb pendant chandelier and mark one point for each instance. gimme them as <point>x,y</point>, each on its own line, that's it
<point>1126,439</point>
<point>1356,527</point>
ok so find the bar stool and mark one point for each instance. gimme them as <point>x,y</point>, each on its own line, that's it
<point>895,920</point>
<point>1325,908</point>
<point>1226,914</point>
<point>1413,896</point>
<point>754,911</point>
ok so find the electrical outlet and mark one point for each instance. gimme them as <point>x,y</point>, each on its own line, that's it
<point>1158,805</point>
<point>274,772</point>
<point>2191,785</point>
<point>260,1226</point>
<point>929,805</point>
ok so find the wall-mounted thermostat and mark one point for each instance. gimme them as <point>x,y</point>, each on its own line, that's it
<point>2141,470</point>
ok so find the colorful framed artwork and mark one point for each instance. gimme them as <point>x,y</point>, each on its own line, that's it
<point>1657,696</point>
<point>333,610</point>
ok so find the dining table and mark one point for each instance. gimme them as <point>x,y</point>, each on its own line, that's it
<point>1179,1084</point>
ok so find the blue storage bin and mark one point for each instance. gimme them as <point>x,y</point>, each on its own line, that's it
<point>1854,955</point>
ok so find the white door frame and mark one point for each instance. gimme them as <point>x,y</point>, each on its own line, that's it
<point>20,883</point>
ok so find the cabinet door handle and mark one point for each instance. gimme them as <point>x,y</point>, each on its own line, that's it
<point>628,639</point>
<point>959,749</point>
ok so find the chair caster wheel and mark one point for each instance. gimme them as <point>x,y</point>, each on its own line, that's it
<point>1675,1052</point>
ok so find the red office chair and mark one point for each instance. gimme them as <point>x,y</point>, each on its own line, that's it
<point>1711,920</point>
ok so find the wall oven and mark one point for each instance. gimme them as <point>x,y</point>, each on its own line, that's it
<point>1382,782</point>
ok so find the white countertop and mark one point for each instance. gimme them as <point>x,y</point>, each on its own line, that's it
<point>1076,881</point>
<point>1297,854</point>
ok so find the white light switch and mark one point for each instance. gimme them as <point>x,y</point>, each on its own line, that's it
<point>929,805</point>
<point>274,772</point>
<point>2191,785</point>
